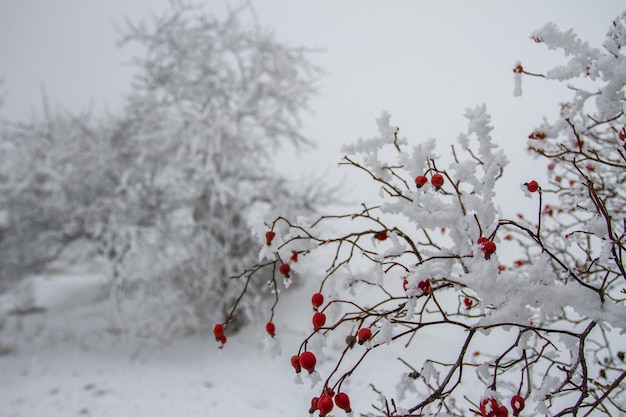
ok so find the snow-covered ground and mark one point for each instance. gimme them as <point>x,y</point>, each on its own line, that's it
<point>62,357</point>
<point>59,359</point>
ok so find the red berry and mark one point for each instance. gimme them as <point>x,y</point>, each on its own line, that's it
<point>308,361</point>
<point>319,319</point>
<point>437,180</point>
<point>317,300</point>
<point>380,235</point>
<point>518,69</point>
<point>622,134</point>
<point>420,181</point>
<point>223,339</point>
<point>295,362</point>
<point>405,284</point>
<point>284,269</point>
<point>489,407</point>
<point>218,331</point>
<point>424,286</point>
<point>343,401</point>
<point>329,391</point>
<point>364,335</point>
<point>325,405</point>
<point>517,404</point>
<point>468,302</point>
<point>532,186</point>
<point>488,247</point>
<point>270,328</point>
<point>294,256</point>
<point>502,412</point>
<point>537,136</point>
<point>269,236</point>
<point>314,406</point>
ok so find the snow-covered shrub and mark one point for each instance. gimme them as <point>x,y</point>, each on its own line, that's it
<point>423,269</point>
<point>166,191</point>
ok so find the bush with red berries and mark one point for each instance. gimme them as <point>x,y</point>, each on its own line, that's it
<point>425,271</point>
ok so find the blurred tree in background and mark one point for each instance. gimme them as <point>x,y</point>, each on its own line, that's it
<point>165,192</point>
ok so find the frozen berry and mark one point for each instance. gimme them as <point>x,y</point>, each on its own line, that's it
<point>284,269</point>
<point>325,405</point>
<point>317,300</point>
<point>405,284</point>
<point>223,339</point>
<point>488,247</point>
<point>218,331</point>
<point>420,181</point>
<point>295,362</point>
<point>424,286</point>
<point>319,319</point>
<point>517,404</point>
<point>314,406</point>
<point>294,256</point>
<point>270,328</point>
<point>308,361</point>
<point>269,236</point>
<point>502,412</point>
<point>489,407</point>
<point>468,302</point>
<point>437,180</point>
<point>380,235</point>
<point>364,335</point>
<point>532,186</point>
<point>343,401</point>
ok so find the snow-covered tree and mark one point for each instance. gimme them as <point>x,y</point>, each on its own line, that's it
<point>167,191</point>
<point>422,275</point>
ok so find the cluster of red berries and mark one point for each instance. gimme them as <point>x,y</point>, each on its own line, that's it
<point>436,181</point>
<point>324,403</point>
<point>284,268</point>
<point>490,407</point>
<point>488,247</point>
<point>422,285</point>
<point>306,360</point>
<point>319,318</point>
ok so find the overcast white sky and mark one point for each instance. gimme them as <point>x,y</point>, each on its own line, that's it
<point>423,61</point>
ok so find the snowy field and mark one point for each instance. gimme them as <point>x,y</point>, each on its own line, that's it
<point>63,359</point>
